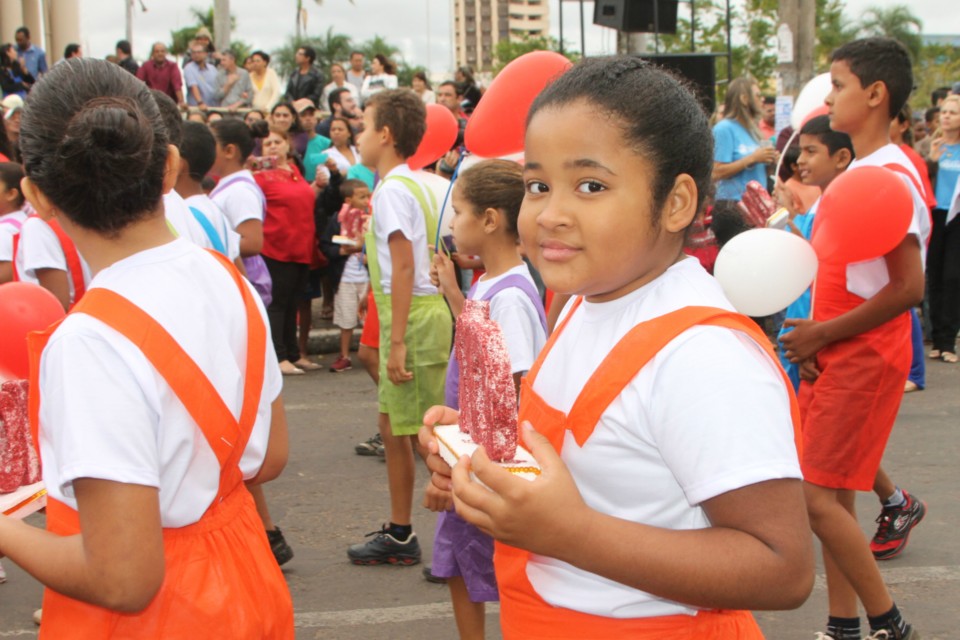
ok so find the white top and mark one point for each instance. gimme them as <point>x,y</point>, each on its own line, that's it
<point>428,97</point>
<point>353,270</point>
<point>39,248</point>
<point>709,414</point>
<point>342,162</point>
<point>9,227</point>
<point>396,209</point>
<point>519,320</point>
<point>376,83</point>
<point>178,215</point>
<point>114,418</point>
<point>866,278</point>
<point>239,197</point>
<point>213,214</point>
<point>265,97</point>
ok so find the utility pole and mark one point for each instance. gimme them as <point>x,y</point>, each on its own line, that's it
<point>221,24</point>
<point>795,43</point>
<point>128,32</point>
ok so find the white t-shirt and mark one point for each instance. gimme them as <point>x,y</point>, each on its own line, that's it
<point>39,248</point>
<point>106,413</point>
<point>343,164</point>
<point>866,278</point>
<point>353,270</point>
<point>214,215</point>
<point>519,320</point>
<point>396,209</point>
<point>239,197</point>
<point>708,414</point>
<point>9,227</point>
<point>179,216</point>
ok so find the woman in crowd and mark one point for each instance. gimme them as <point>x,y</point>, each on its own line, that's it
<point>266,84</point>
<point>339,81</point>
<point>468,88</point>
<point>14,79</point>
<point>343,147</point>
<point>421,86</point>
<point>252,116</point>
<point>283,117</point>
<point>738,154</point>
<point>383,75</point>
<point>289,243</point>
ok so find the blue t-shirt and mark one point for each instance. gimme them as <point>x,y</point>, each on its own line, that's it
<point>799,308</point>
<point>360,172</point>
<point>948,173</point>
<point>731,142</point>
<point>205,80</point>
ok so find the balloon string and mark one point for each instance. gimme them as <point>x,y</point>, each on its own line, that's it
<point>443,207</point>
<point>793,135</point>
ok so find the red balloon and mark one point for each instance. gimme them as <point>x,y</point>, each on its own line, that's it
<point>440,136</point>
<point>864,214</point>
<point>499,122</point>
<point>822,110</point>
<point>24,307</point>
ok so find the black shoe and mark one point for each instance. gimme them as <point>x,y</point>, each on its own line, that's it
<point>429,577</point>
<point>281,550</point>
<point>894,634</point>
<point>894,526</point>
<point>385,549</point>
<point>370,447</point>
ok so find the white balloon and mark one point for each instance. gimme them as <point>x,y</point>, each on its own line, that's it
<point>762,271</point>
<point>811,97</point>
<point>439,185</point>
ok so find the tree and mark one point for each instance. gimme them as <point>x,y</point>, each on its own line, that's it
<point>506,51</point>
<point>833,30</point>
<point>759,24</point>
<point>180,39</point>
<point>896,22</point>
<point>378,44</point>
<point>330,47</point>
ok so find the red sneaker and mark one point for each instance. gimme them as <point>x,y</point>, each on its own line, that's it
<point>341,364</point>
<point>894,526</point>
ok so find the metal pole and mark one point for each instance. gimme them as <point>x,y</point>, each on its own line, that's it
<point>583,37</point>
<point>221,24</point>
<point>693,27</point>
<point>656,27</point>
<point>129,21</point>
<point>560,4</point>
<point>427,3</point>
<point>729,47</point>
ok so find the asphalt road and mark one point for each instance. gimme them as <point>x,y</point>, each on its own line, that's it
<point>329,498</point>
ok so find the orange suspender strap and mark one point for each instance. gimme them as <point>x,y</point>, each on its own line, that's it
<point>72,256</point>
<point>13,262</point>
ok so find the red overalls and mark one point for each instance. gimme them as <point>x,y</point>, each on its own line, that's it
<point>221,580</point>
<point>523,613</point>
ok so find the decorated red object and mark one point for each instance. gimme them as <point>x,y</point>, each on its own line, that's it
<point>819,111</point>
<point>757,204</point>
<point>353,221</point>
<point>488,398</point>
<point>439,138</point>
<point>864,214</point>
<point>24,307</point>
<point>497,125</point>
<point>19,463</point>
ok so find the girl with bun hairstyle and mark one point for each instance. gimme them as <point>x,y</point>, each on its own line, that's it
<point>147,453</point>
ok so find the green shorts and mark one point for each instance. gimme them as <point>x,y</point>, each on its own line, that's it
<point>428,340</point>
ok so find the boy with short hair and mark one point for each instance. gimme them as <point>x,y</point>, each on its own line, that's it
<point>353,280</point>
<point>415,323</point>
<point>855,353</point>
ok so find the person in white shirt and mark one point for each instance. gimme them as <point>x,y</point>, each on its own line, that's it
<point>383,75</point>
<point>12,215</point>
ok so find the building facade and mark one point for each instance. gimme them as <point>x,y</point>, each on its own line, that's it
<point>478,25</point>
<point>53,24</point>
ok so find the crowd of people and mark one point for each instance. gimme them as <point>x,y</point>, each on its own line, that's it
<point>614,334</point>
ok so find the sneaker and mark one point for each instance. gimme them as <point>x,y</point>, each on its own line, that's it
<point>429,577</point>
<point>341,364</point>
<point>37,617</point>
<point>384,548</point>
<point>894,526</point>
<point>281,550</point>
<point>370,447</point>
<point>893,634</point>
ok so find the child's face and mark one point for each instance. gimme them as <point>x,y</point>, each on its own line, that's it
<point>848,101</point>
<point>817,166</point>
<point>360,199</point>
<point>587,221</point>
<point>369,142</point>
<point>467,226</point>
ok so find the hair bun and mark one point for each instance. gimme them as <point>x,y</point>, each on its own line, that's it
<point>112,137</point>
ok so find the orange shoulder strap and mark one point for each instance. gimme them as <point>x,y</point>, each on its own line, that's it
<point>74,266</point>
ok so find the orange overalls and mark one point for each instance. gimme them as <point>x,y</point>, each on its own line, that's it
<point>70,254</point>
<point>221,580</point>
<point>523,613</point>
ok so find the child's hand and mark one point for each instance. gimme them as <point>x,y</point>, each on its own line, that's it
<point>806,339</point>
<point>442,274</point>
<point>331,164</point>
<point>809,370</point>
<point>439,470</point>
<point>540,516</point>
<point>396,364</point>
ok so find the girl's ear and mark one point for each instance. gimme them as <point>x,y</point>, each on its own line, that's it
<point>172,169</point>
<point>492,219</point>
<point>37,199</point>
<point>680,208</point>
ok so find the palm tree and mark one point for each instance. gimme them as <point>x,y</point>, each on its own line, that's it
<point>896,22</point>
<point>330,47</point>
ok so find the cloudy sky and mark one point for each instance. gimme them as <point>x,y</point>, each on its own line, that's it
<point>421,28</point>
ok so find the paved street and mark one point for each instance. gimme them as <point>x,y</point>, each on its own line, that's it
<point>329,497</point>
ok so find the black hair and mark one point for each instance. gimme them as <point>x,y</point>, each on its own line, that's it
<point>355,52</point>
<point>681,144</point>
<point>170,113</point>
<point>11,174</point>
<point>349,187</point>
<point>71,50</point>
<point>880,60</point>
<point>262,54</point>
<point>420,75</point>
<point>931,114</point>
<point>295,125</point>
<point>310,53</point>
<point>94,143</point>
<point>790,157</point>
<point>450,83</point>
<point>939,94</point>
<point>6,148</point>
<point>236,132</point>
<point>494,184</point>
<point>832,140</point>
<point>124,46</point>
<point>727,222</point>
<point>346,123</point>
<point>5,61</point>
<point>198,148</point>
<point>335,97</point>
<point>404,112</point>
<point>25,31</point>
<point>769,99</point>
<point>906,115</point>
<point>388,67</point>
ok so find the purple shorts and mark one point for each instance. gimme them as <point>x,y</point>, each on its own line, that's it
<point>460,549</point>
